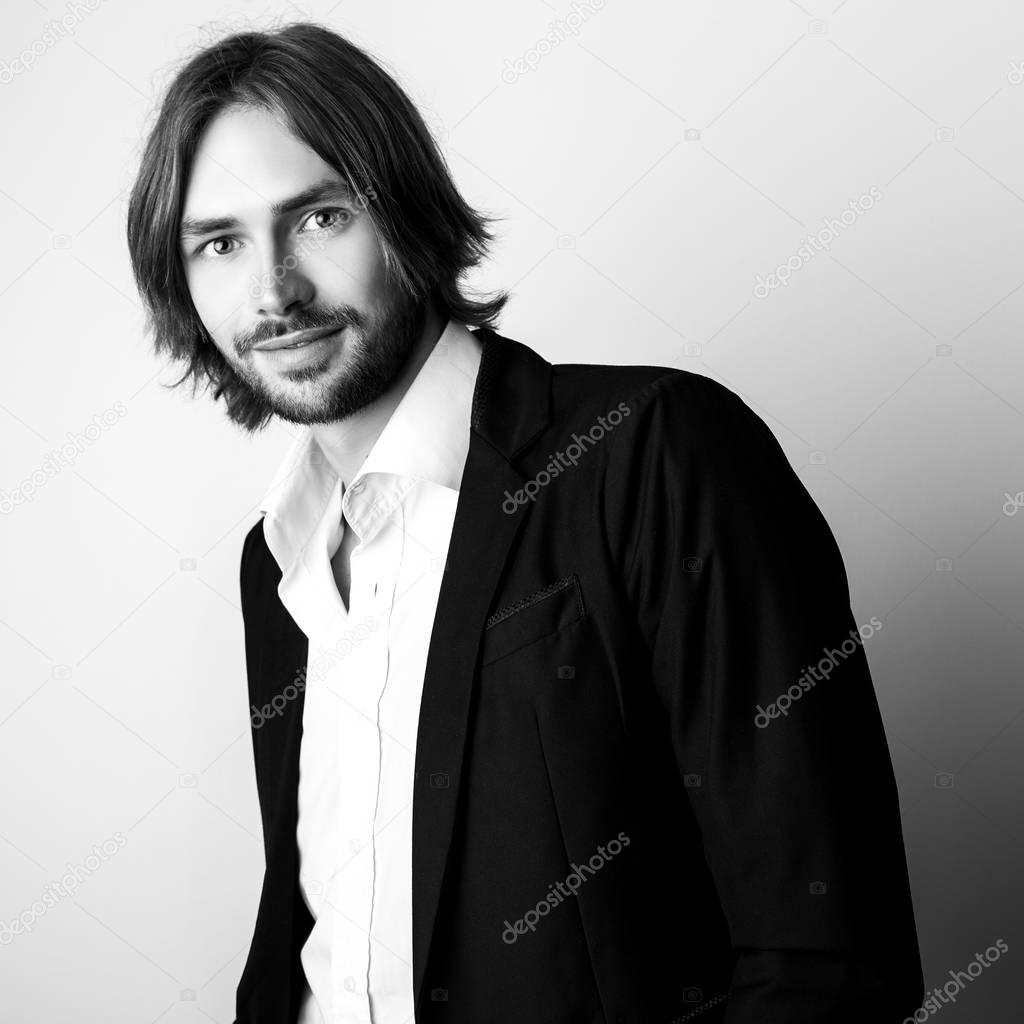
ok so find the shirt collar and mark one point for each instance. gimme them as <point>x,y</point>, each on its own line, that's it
<point>426,438</point>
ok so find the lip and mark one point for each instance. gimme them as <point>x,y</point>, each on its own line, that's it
<point>272,344</point>
<point>306,355</point>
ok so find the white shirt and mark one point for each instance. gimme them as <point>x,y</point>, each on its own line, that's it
<point>365,677</point>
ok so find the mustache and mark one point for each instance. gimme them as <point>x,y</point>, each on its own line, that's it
<point>308,319</point>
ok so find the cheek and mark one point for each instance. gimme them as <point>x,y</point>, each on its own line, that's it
<point>216,299</point>
<point>355,264</point>
<point>377,285</point>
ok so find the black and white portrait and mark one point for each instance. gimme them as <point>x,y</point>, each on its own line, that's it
<point>512,514</point>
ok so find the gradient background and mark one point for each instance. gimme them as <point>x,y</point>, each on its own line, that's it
<point>652,168</point>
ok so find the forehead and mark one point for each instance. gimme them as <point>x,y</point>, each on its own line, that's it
<point>246,161</point>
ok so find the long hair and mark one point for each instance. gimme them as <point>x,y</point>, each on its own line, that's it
<point>341,103</point>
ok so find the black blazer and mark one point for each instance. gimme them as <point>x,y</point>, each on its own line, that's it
<point>616,818</point>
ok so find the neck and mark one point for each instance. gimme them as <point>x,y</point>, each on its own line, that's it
<point>346,443</point>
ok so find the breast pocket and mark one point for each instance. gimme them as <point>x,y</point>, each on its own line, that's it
<point>545,611</point>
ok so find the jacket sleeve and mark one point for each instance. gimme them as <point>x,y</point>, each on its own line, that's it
<point>743,602</point>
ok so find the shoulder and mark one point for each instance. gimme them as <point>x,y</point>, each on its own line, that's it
<point>669,408</point>
<point>639,386</point>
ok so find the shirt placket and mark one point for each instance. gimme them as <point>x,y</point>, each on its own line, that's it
<point>388,567</point>
<point>360,753</point>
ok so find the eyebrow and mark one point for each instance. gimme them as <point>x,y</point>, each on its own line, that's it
<point>328,188</point>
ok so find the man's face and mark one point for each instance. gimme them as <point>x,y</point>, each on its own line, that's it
<point>315,265</point>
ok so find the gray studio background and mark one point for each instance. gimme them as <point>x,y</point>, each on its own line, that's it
<point>655,168</point>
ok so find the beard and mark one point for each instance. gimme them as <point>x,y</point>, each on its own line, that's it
<point>335,386</point>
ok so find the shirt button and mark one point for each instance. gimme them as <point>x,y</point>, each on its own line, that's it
<point>356,487</point>
<point>350,984</point>
<point>355,845</point>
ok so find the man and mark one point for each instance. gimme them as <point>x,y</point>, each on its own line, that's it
<point>559,710</point>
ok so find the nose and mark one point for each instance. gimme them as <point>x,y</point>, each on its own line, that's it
<point>282,287</point>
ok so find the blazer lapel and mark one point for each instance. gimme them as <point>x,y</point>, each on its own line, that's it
<point>511,406</point>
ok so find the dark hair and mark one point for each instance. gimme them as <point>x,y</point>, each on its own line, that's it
<point>357,118</point>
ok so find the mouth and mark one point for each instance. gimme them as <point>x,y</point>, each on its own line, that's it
<point>300,351</point>
<point>297,339</point>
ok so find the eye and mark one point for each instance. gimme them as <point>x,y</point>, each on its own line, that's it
<point>213,241</point>
<point>328,211</point>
